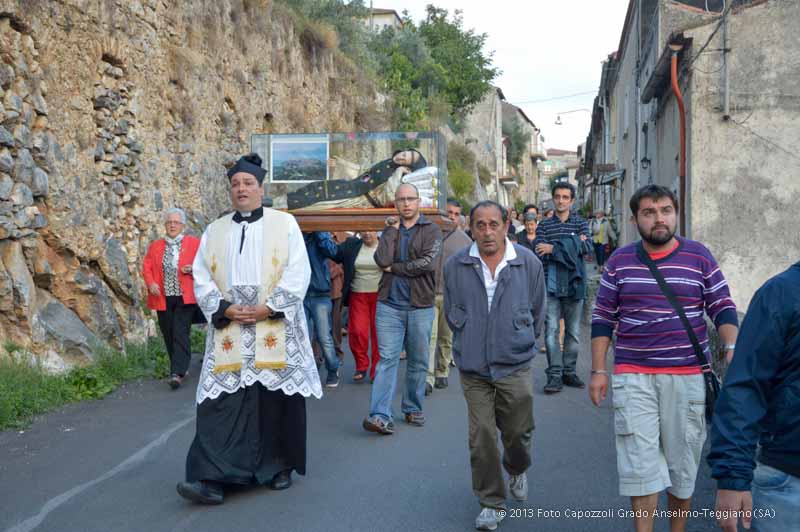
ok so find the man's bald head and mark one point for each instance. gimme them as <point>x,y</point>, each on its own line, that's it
<point>406,200</point>
<point>406,189</point>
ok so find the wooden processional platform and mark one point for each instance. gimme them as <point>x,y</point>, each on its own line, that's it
<point>372,219</point>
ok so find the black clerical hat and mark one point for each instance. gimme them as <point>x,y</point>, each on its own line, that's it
<point>250,164</point>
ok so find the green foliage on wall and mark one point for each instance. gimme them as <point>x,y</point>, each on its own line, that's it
<point>435,70</point>
<point>519,141</point>
<point>26,390</point>
<point>461,182</point>
<point>484,175</point>
<point>460,165</point>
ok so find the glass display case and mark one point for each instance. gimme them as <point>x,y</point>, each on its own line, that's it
<point>346,181</point>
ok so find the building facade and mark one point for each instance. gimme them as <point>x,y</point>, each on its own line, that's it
<point>381,19</point>
<point>736,72</point>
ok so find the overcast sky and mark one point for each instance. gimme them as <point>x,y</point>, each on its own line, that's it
<point>546,49</point>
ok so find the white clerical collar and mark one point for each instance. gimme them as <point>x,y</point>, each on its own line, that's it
<point>248,216</point>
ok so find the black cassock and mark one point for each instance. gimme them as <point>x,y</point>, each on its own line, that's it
<point>248,436</point>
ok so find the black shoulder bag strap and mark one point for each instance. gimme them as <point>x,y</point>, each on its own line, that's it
<point>712,382</point>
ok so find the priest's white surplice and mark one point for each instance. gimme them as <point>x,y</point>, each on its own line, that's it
<point>244,262</point>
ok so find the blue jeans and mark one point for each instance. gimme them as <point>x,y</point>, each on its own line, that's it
<point>318,316</point>
<point>776,498</point>
<point>562,363</point>
<point>397,328</point>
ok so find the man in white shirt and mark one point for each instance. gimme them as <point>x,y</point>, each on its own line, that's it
<point>494,300</point>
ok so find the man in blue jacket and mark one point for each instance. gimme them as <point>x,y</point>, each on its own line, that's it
<point>317,303</point>
<point>755,434</point>
<point>494,301</point>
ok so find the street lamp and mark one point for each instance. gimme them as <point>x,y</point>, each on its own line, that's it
<point>558,117</point>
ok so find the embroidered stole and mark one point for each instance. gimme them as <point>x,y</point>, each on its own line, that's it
<point>270,336</point>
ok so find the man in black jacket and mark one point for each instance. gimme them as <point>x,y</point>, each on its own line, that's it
<point>757,417</point>
<point>406,294</point>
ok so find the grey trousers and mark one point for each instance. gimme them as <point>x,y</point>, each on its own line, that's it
<point>507,405</point>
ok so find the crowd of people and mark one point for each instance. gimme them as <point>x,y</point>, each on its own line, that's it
<point>482,295</point>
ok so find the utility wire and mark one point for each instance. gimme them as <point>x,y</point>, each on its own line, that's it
<point>765,139</point>
<point>709,73</point>
<point>745,120</point>
<point>710,37</point>
<point>556,98</point>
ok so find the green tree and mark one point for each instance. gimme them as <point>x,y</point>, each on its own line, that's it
<point>468,68</point>
<point>460,181</point>
<point>460,161</point>
<point>434,71</point>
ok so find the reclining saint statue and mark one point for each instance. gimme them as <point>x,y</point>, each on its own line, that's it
<point>373,188</point>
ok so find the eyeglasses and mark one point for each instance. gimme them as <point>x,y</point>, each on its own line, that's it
<point>405,200</point>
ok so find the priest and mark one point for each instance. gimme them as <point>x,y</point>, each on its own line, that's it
<point>251,273</point>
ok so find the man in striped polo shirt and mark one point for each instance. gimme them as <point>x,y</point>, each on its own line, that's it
<point>561,241</point>
<point>659,393</point>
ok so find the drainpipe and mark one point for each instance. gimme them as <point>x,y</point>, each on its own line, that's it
<point>726,98</point>
<point>682,114</point>
<point>606,150</point>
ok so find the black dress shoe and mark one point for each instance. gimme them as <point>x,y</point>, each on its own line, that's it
<point>428,389</point>
<point>554,385</point>
<point>175,381</point>
<point>201,492</point>
<point>281,480</point>
<point>441,382</point>
<point>573,381</point>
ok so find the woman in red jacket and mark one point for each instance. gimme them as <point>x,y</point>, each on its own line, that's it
<point>167,271</point>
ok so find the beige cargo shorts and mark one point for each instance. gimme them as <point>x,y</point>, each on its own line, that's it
<point>660,428</point>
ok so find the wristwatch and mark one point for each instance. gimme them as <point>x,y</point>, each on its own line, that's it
<point>729,347</point>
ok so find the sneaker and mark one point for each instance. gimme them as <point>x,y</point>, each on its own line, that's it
<point>403,355</point>
<point>518,486</point>
<point>573,381</point>
<point>554,385</point>
<point>416,419</point>
<point>489,518</point>
<point>441,382</point>
<point>378,425</point>
<point>332,381</point>
<point>428,389</point>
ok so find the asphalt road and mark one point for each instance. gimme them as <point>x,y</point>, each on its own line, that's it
<point>112,465</point>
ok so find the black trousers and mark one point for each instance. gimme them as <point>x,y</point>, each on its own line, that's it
<point>176,325</point>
